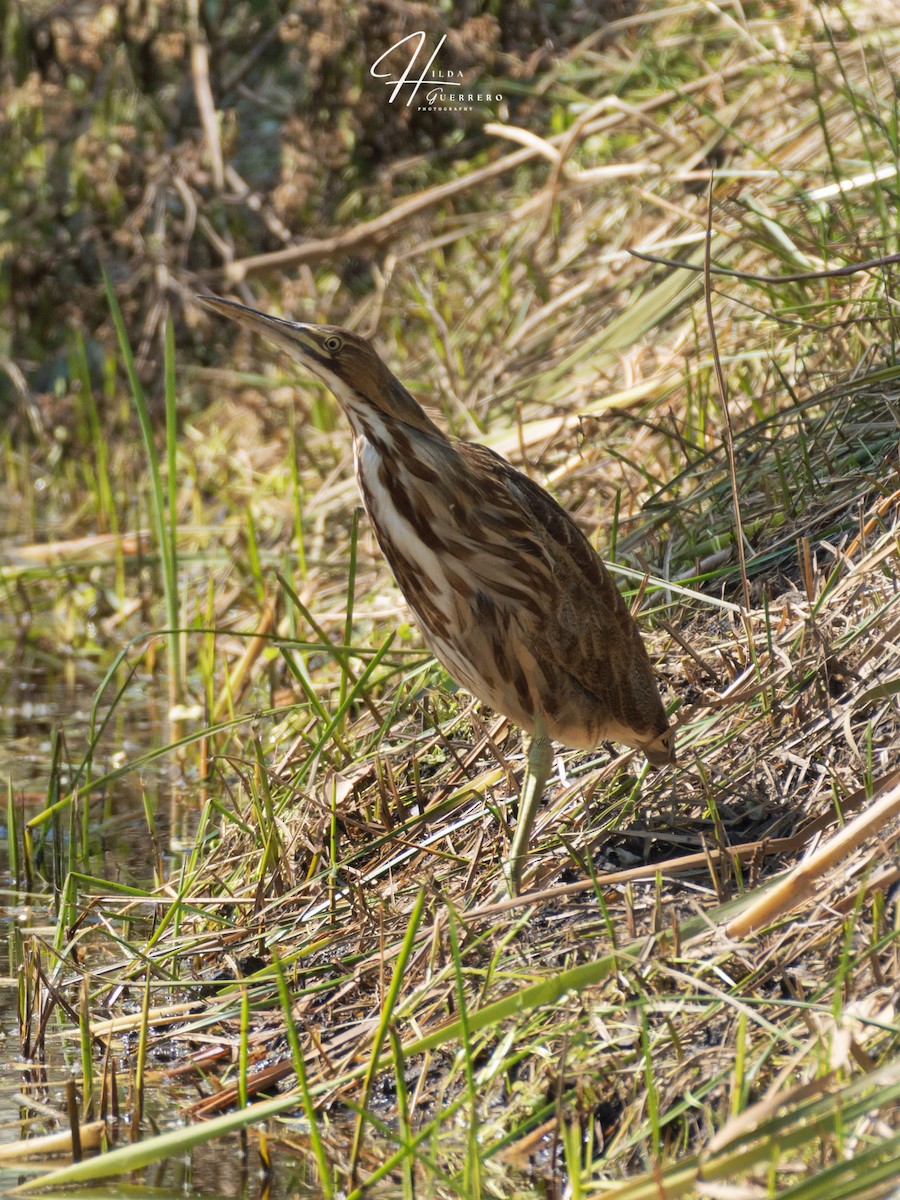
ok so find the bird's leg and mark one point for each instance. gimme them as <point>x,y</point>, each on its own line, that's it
<point>539,760</point>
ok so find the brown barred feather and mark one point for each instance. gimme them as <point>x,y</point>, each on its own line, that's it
<point>508,592</point>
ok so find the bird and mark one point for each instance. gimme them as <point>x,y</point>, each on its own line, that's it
<point>509,594</point>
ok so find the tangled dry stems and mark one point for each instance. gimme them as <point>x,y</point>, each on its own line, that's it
<point>788,710</point>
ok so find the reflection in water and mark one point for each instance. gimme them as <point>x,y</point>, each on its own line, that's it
<point>46,722</point>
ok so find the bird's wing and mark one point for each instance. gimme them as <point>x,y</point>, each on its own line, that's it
<point>579,626</point>
<point>539,556</point>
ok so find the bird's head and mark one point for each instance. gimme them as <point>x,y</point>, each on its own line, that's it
<point>345,362</point>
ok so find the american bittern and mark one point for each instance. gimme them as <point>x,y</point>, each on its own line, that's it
<point>509,594</point>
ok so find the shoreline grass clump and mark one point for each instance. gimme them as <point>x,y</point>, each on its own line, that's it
<point>697,991</point>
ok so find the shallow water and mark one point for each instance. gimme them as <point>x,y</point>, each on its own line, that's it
<point>42,714</point>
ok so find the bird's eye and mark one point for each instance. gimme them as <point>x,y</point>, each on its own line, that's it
<point>333,343</point>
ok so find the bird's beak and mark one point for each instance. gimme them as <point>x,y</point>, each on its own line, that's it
<point>297,339</point>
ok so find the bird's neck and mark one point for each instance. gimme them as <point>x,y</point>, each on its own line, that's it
<point>404,407</point>
<point>391,407</point>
